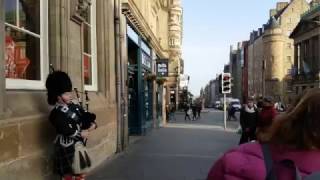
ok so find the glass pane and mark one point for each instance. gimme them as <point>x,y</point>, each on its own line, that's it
<point>22,55</point>
<point>10,11</point>
<point>29,15</point>
<point>87,70</point>
<point>86,39</point>
<point>88,15</point>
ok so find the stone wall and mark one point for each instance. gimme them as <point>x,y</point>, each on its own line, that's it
<point>26,136</point>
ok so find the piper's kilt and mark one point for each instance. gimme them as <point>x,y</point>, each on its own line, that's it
<point>72,159</point>
<point>63,159</point>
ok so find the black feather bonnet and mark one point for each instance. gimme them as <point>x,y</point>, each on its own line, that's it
<point>57,83</point>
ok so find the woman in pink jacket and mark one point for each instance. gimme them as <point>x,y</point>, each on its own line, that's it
<point>293,137</point>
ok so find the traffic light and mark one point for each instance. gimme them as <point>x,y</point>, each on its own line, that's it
<point>226,83</point>
<point>220,84</point>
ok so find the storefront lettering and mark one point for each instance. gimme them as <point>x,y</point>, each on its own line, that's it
<point>162,69</point>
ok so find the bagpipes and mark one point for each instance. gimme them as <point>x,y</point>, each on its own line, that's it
<point>86,118</point>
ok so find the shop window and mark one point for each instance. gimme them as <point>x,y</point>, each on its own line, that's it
<point>26,57</point>
<point>89,49</point>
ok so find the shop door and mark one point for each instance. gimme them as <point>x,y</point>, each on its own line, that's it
<point>133,120</point>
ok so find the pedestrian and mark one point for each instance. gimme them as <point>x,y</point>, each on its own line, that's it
<point>248,121</point>
<point>232,113</point>
<point>290,149</point>
<point>72,124</point>
<point>267,115</point>
<point>260,104</point>
<point>199,108</point>
<point>168,113</point>
<point>194,112</point>
<point>172,113</point>
<point>187,112</point>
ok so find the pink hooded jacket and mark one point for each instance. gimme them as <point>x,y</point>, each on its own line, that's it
<point>246,162</point>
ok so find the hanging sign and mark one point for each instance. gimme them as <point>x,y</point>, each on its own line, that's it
<point>162,68</point>
<point>146,60</point>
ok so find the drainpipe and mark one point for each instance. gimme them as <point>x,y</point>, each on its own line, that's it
<point>124,71</point>
<point>3,99</point>
<point>120,137</point>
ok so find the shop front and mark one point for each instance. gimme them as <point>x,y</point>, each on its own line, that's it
<point>140,84</point>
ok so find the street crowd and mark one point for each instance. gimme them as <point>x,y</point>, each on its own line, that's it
<point>273,145</point>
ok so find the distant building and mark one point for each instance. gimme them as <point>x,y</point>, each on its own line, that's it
<point>236,67</point>
<point>271,51</point>
<point>245,76</point>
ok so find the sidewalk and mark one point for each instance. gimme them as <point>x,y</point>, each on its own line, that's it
<point>184,152</point>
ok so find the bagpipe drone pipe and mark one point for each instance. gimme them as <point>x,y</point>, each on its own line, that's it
<point>86,118</point>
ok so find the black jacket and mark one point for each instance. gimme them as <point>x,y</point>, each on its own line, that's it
<point>248,119</point>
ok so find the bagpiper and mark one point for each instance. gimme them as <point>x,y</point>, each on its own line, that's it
<point>72,124</point>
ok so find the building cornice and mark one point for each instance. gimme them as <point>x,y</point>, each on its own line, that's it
<point>131,11</point>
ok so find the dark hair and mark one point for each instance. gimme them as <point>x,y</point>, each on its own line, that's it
<point>298,127</point>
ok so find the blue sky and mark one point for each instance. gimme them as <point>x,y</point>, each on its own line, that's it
<point>210,27</point>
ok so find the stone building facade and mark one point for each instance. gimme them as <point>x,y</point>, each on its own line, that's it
<point>275,57</point>
<point>75,37</point>
<point>306,51</point>
<point>158,24</point>
<point>88,40</point>
<point>255,59</point>
<point>176,64</point>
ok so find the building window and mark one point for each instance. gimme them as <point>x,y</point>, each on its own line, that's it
<point>90,49</point>
<point>289,59</point>
<point>171,42</point>
<point>289,45</point>
<point>26,48</point>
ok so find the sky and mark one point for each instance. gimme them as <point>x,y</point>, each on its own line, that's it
<point>210,27</point>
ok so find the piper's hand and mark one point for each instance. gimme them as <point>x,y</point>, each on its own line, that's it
<point>85,134</point>
<point>93,126</point>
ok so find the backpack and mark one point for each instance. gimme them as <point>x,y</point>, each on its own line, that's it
<point>270,171</point>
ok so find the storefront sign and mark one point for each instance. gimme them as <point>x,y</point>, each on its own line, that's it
<point>162,68</point>
<point>132,35</point>
<point>146,60</point>
<point>145,48</point>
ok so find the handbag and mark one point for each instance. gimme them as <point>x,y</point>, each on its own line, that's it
<point>81,161</point>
